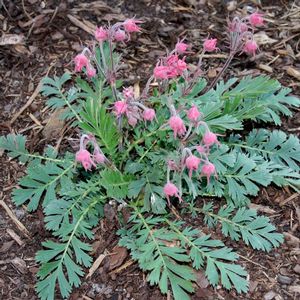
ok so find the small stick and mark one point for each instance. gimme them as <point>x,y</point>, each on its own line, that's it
<point>295,195</point>
<point>21,227</point>
<point>30,100</point>
<point>15,237</point>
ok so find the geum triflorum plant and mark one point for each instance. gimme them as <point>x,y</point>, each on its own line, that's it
<point>171,146</point>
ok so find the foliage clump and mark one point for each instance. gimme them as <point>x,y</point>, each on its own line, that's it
<point>174,145</point>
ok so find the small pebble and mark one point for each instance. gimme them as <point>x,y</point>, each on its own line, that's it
<point>270,295</point>
<point>297,269</point>
<point>284,279</point>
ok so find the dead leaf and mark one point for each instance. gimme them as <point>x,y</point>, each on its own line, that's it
<point>6,246</point>
<point>293,72</point>
<point>117,257</point>
<point>262,208</point>
<point>294,289</point>
<point>11,39</point>
<point>201,279</point>
<point>54,125</point>
<point>95,265</point>
<point>262,38</point>
<point>266,68</point>
<point>19,264</point>
<point>292,240</point>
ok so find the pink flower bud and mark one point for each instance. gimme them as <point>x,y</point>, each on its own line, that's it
<point>130,25</point>
<point>84,157</point>
<point>172,165</point>
<point>90,71</point>
<point>209,45</point>
<point>99,158</point>
<point>193,114</point>
<point>207,170</point>
<point>161,72</point>
<point>80,61</point>
<point>177,126</point>
<point>192,163</point>
<point>172,60</point>
<point>210,139</point>
<point>181,47</point>
<point>120,107</point>
<point>132,121</point>
<point>250,47</point>
<point>128,93</point>
<point>181,66</point>
<point>149,114</point>
<point>120,35</point>
<point>101,34</point>
<point>256,19</point>
<point>201,149</point>
<point>171,190</point>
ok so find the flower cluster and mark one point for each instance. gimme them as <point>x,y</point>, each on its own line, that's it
<point>132,109</point>
<point>241,33</point>
<point>189,160</point>
<point>119,32</point>
<point>87,159</point>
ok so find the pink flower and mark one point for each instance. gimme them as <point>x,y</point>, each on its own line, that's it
<point>177,126</point>
<point>90,71</point>
<point>99,157</point>
<point>84,157</point>
<point>130,25</point>
<point>210,139</point>
<point>193,114</point>
<point>256,19</point>
<point>171,190</point>
<point>250,47</point>
<point>207,170</point>
<point>172,60</point>
<point>201,149</point>
<point>181,47</point>
<point>128,93</point>
<point>101,34</point>
<point>120,35</point>
<point>209,45</point>
<point>192,163</point>
<point>80,61</point>
<point>181,66</point>
<point>149,114</point>
<point>161,72</point>
<point>120,107</point>
<point>132,120</point>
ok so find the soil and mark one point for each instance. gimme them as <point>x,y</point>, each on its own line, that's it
<point>52,32</point>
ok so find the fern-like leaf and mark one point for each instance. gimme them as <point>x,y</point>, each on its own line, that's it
<point>256,231</point>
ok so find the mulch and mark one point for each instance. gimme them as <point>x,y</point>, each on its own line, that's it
<point>42,37</point>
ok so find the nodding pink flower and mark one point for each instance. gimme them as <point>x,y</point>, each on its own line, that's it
<point>99,157</point>
<point>172,165</point>
<point>130,25</point>
<point>177,126</point>
<point>207,170</point>
<point>210,139</point>
<point>161,72</point>
<point>181,66</point>
<point>120,107</point>
<point>132,120</point>
<point>90,71</point>
<point>193,114</point>
<point>250,47</point>
<point>171,190</point>
<point>181,47</point>
<point>101,34</point>
<point>80,61</point>
<point>209,45</point>
<point>256,19</point>
<point>201,149</point>
<point>172,60</point>
<point>192,163</point>
<point>149,114</point>
<point>84,157</point>
<point>120,35</point>
<point>128,93</point>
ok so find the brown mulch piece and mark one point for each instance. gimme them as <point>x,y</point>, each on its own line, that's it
<point>38,37</point>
